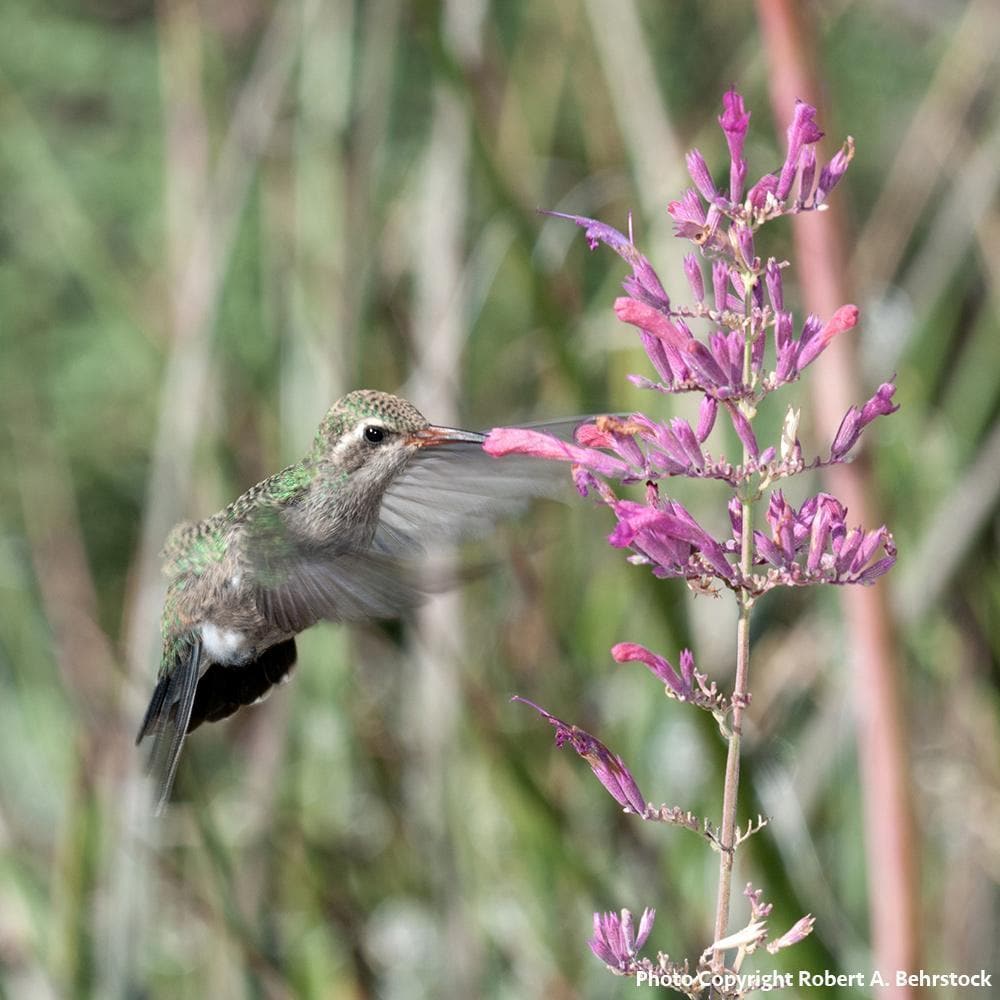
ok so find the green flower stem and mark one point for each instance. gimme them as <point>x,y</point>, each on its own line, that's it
<point>741,688</point>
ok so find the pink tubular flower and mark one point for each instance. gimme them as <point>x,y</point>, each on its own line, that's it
<point>651,320</point>
<point>843,319</point>
<point>510,440</point>
<point>608,767</point>
<point>793,356</point>
<point>680,683</point>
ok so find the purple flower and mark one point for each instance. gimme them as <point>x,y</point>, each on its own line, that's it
<point>681,684</point>
<point>814,545</point>
<point>807,173</point>
<point>831,174</point>
<point>690,221</point>
<point>762,191</point>
<point>615,941</point>
<point>743,430</point>
<point>720,285</point>
<point>692,271</point>
<point>843,319</point>
<point>702,176</point>
<point>608,767</point>
<point>735,121</point>
<point>616,435</point>
<point>744,240</point>
<point>670,539</point>
<point>795,355</point>
<point>802,131</point>
<point>855,420</point>
<point>644,284</point>
<point>775,292</point>
<point>759,910</point>
<point>707,410</point>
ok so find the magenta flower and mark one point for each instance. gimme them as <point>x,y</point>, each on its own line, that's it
<point>801,132</point>
<point>608,767</point>
<point>616,942</point>
<point>855,420</point>
<point>735,121</point>
<point>814,545</point>
<point>670,539</point>
<point>795,355</point>
<point>680,683</point>
<point>831,174</point>
<point>747,349</point>
<point>644,283</point>
<point>506,440</point>
<point>702,176</point>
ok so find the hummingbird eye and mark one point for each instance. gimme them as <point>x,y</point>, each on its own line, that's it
<point>374,434</point>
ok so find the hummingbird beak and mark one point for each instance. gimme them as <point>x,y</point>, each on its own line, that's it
<point>428,437</point>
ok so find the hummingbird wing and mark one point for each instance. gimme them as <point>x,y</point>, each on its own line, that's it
<point>168,714</point>
<point>456,490</point>
<point>299,581</point>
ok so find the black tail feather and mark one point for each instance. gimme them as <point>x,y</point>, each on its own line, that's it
<point>167,717</point>
<point>182,701</point>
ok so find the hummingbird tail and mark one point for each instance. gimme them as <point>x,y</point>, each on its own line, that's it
<point>167,718</point>
<point>222,690</point>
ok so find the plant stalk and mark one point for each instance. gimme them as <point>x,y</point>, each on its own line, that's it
<point>741,688</point>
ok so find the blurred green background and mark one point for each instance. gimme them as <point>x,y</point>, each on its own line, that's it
<point>215,218</point>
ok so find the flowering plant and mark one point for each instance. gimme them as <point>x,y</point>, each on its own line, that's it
<point>751,351</point>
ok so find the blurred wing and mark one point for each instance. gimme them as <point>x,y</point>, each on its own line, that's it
<point>456,490</point>
<point>297,584</point>
<point>347,587</point>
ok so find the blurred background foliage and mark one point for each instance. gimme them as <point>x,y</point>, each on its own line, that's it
<point>216,217</point>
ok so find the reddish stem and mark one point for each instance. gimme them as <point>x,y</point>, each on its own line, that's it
<point>890,828</point>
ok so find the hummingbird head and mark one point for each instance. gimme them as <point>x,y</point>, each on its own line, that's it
<point>378,431</point>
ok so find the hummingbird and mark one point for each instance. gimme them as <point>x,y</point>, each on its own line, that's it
<point>333,537</point>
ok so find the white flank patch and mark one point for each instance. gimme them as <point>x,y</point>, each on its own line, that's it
<point>223,645</point>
